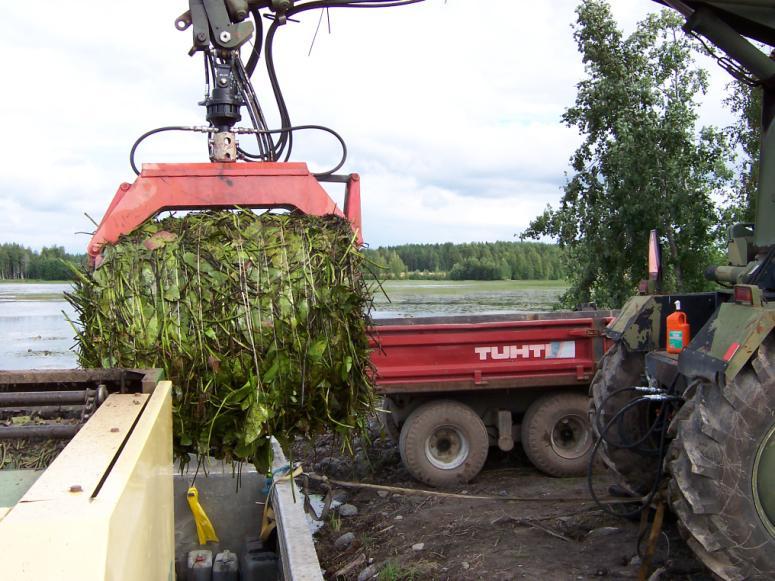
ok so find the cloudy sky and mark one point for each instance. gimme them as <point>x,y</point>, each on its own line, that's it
<point>451,110</point>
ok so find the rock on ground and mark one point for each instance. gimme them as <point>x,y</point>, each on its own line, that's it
<point>348,510</point>
<point>368,573</point>
<point>344,541</point>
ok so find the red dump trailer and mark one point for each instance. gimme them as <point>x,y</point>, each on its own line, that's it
<point>454,386</point>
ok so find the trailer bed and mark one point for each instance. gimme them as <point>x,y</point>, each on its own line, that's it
<point>485,352</point>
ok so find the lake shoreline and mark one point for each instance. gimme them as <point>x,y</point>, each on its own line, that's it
<point>34,333</point>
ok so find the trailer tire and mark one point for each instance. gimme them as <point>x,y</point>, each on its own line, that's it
<point>722,463</point>
<point>556,434</point>
<point>620,368</point>
<point>444,443</point>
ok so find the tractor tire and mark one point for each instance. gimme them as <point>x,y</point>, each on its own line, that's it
<point>387,419</point>
<point>443,443</point>
<point>722,463</point>
<point>556,434</point>
<point>622,368</point>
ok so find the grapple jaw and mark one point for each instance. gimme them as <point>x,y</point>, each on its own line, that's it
<point>207,186</point>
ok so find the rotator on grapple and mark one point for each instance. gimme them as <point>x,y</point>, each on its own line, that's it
<point>264,178</point>
<point>704,417</point>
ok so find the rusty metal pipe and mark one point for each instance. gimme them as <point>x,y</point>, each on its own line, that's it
<point>37,432</point>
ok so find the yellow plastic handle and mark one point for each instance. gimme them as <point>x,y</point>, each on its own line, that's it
<point>204,528</point>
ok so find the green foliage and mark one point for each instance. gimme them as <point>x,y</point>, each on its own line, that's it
<point>393,571</point>
<point>472,261</point>
<point>20,263</point>
<point>335,521</point>
<point>259,321</point>
<point>746,103</point>
<point>642,164</point>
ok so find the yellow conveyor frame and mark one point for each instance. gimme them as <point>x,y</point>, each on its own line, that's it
<point>103,509</point>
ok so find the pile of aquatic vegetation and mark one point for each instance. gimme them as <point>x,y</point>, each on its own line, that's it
<point>260,321</point>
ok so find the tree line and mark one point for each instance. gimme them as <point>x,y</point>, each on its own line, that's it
<point>50,263</point>
<point>470,261</point>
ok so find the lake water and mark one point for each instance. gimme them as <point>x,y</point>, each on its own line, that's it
<point>34,333</point>
<point>410,298</point>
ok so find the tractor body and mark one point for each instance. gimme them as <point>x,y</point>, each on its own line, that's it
<point>697,429</point>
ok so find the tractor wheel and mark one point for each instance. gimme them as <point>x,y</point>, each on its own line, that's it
<point>387,419</point>
<point>556,435</point>
<point>621,368</point>
<point>722,463</point>
<point>443,443</point>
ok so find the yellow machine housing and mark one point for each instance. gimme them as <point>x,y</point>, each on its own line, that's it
<point>103,509</point>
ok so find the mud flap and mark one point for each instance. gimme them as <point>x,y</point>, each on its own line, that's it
<point>637,326</point>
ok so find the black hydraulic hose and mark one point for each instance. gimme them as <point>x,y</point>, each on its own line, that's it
<point>285,137</point>
<point>622,444</point>
<point>646,500</point>
<point>247,154</point>
<point>255,54</point>
<point>148,134</point>
<point>624,409</point>
<point>307,127</point>
<point>605,401</point>
<point>265,143</point>
<point>264,153</point>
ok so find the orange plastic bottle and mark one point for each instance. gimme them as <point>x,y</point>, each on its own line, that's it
<point>678,335</point>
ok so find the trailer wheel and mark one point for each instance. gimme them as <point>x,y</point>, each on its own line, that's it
<point>722,463</point>
<point>387,419</point>
<point>556,434</point>
<point>443,443</point>
<point>621,368</point>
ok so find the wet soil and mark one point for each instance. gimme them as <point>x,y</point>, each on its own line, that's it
<point>417,536</point>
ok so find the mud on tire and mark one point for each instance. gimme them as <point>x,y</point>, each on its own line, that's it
<point>622,368</point>
<point>718,434</point>
<point>556,434</point>
<point>443,443</point>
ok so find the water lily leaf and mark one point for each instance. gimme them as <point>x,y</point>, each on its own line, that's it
<point>172,293</point>
<point>152,329</point>
<point>257,415</point>
<point>347,365</point>
<point>159,239</point>
<point>272,372</point>
<point>317,349</point>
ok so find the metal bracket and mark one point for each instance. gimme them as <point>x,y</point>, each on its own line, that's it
<point>198,17</point>
<point>505,438</point>
<point>226,34</point>
<point>223,147</point>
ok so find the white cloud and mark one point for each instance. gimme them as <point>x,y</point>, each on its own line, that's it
<point>404,211</point>
<point>451,110</point>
